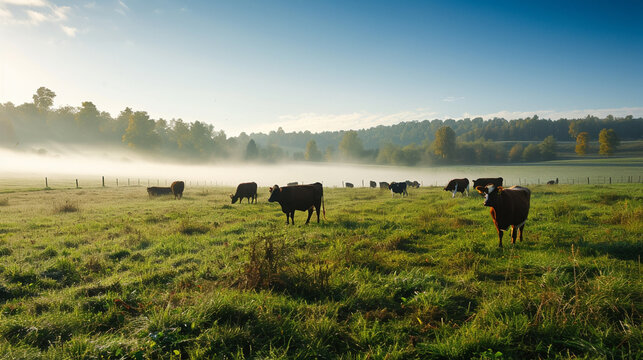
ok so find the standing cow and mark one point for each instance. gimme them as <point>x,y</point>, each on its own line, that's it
<point>398,188</point>
<point>509,207</point>
<point>245,190</point>
<point>299,197</point>
<point>177,189</point>
<point>349,185</point>
<point>384,185</point>
<point>458,185</point>
<point>373,184</point>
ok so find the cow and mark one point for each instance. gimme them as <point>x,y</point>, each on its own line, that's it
<point>373,184</point>
<point>552,182</point>
<point>299,197</point>
<point>245,190</point>
<point>509,207</point>
<point>413,184</point>
<point>349,185</point>
<point>384,185</point>
<point>398,188</point>
<point>293,183</point>
<point>177,189</point>
<point>158,191</point>
<point>486,181</point>
<point>458,185</point>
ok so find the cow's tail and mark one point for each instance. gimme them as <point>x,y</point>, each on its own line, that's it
<point>323,208</point>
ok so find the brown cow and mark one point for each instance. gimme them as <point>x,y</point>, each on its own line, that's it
<point>458,185</point>
<point>158,191</point>
<point>177,189</point>
<point>245,190</point>
<point>486,181</point>
<point>509,207</point>
<point>299,197</point>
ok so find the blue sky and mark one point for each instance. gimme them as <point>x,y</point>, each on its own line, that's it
<point>318,65</point>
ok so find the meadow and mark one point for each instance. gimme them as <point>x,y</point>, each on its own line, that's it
<point>108,273</point>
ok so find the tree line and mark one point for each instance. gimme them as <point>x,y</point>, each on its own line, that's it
<point>466,141</point>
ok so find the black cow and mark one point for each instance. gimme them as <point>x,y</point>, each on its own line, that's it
<point>299,197</point>
<point>486,181</point>
<point>158,191</point>
<point>245,190</point>
<point>552,182</point>
<point>349,185</point>
<point>398,188</point>
<point>458,185</point>
<point>509,207</point>
<point>177,189</point>
<point>373,184</point>
<point>384,185</point>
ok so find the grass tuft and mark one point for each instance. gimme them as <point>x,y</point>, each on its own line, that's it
<point>66,207</point>
<point>4,202</point>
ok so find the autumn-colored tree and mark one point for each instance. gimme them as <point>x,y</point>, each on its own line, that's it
<point>582,143</point>
<point>140,132</point>
<point>531,153</point>
<point>515,154</point>
<point>608,142</point>
<point>444,145</point>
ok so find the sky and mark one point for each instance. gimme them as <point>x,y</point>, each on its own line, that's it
<point>326,65</point>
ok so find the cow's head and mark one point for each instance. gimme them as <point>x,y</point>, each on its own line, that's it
<point>234,198</point>
<point>491,194</point>
<point>275,193</point>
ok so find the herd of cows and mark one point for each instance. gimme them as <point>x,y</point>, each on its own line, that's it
<point>509,207</point>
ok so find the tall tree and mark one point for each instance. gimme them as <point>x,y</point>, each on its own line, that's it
<point>43,98</point>
<point>582,143</point>
<point>531,153</point>
<point>548,148</point>
<point>252,152</point>
<point>312,152</point>
<point>88,118</point>
<point>351,145</point>
<point>444,145</point>
<point>140,132</point>
<point>515,154</point>
<point>608,142</point>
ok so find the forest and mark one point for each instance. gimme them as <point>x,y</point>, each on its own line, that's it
<point>38,125</point>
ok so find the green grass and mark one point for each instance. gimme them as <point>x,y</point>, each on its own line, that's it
<point>125,276</point>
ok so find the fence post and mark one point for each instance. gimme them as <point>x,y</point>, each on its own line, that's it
<point>76,183</point>
<point>103,181</point>
<point>588,180</point>
<point>127,181</point>
<point>610,180</point>
<point>116,182</point>
<point>46,182</point>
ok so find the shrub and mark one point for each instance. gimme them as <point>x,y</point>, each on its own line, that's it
<point>66,207</point>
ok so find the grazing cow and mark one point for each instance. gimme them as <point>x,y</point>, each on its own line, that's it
<point>373,184</point>
<point>158,191</point>
<point>384,185</point>
<point>177,189</point>
<point>398,188</point>
<point>456,185</point>
<point>509,207</point>
<point>349,185</point>
<point>413,184</point>
<point>486,181</point>
<point>293,183</point>
<point>552,182</point>
<point>245,190</point>
<point>299,197</point>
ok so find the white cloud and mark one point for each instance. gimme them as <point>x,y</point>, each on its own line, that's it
<point>330,122</point>
<point>90,5</point>
<point>453,98</point>
<point>30,3</point>
<point>4,13</point>
<point>36,17</point>
<point>70,31</point>
<point>122,4</point>
<point>60,13</point>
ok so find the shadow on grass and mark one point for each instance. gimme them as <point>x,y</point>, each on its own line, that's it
<point>621,250</point>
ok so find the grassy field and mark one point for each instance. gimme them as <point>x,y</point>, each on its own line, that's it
<point>106,273</point>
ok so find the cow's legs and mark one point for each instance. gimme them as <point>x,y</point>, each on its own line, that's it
<point>499,238</point>
<point>317,210</point>
<point>454,191</point>
<point>521,228</point>
<point>310,213</point>
<point>287,218</point>
<point>514,233</point>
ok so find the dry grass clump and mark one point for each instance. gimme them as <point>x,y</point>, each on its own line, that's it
<point>66,207</point>
<point>4,202</point>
